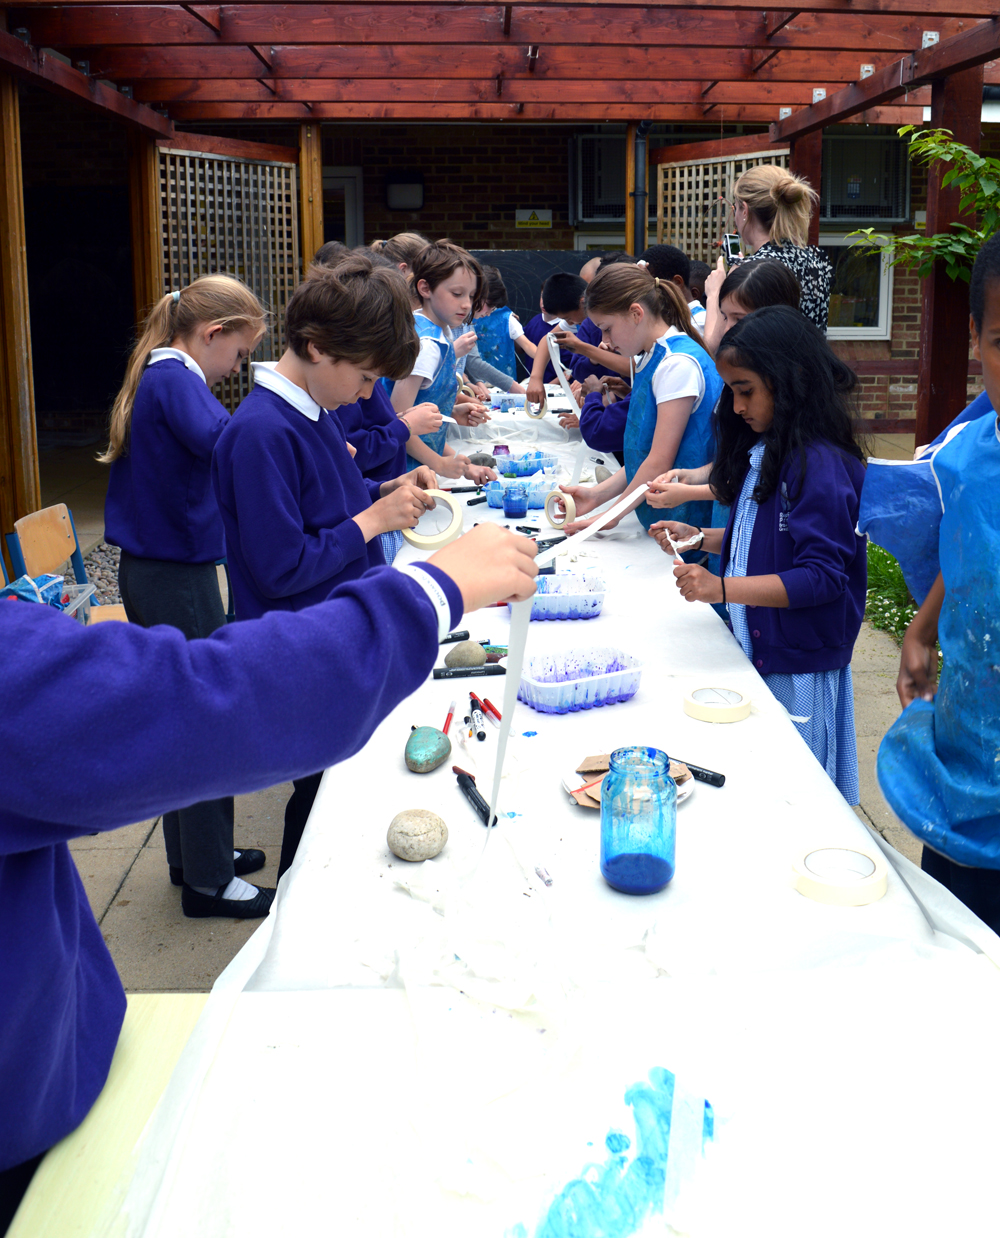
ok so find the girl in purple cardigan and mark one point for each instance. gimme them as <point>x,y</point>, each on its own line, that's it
<point>794,569</point>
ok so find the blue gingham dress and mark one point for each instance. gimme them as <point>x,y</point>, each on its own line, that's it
<point>825,699</point>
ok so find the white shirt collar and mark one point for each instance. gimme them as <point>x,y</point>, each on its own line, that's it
<point>162,354</point>
<point>265,374</point>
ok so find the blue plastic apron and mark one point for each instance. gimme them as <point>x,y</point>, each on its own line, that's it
<point>696,446</point>
<point>493,337</point>
<point>443,388</point>
<point>901,512</point>
<point>939,765</point>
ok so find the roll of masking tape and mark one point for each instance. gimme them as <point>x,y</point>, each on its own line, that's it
<point>543,408</point>
<point>841,876</point>
<point>446,505</point>
<point>717,705</point>
<point>552,513</point>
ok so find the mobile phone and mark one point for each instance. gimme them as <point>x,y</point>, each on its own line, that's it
<point>731,247</point>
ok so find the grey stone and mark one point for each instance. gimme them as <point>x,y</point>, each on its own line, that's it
<point>482,458</point>
<point>601,473</point>
<point>416,834</point>
<point>465,653</point>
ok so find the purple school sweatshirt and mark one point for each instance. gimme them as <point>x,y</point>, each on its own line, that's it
<point>379,437</point>
<point>807,537</point>
<point>288,490</point>
<point>160,503</point>
<point>158,722</point>
<point>602,428</point>
<point>581,367</point>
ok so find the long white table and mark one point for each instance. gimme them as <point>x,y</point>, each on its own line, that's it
<point>441,1049</point>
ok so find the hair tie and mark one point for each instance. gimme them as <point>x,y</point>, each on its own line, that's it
<point>656,281</point>
<point>175,297</point>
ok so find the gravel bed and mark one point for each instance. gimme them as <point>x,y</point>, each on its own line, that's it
<point>102,572</point>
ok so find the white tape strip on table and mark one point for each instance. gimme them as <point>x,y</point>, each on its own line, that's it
<point>520,621</point>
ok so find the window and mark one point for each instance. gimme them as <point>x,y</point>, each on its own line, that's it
<point>861,293</point>
<point>865,177</point>
<point>601,194</point>
<point>599,241</point>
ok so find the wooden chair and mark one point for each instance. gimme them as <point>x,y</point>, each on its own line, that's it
<point>43,541</point>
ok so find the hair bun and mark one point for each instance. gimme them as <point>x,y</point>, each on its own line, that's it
<point>790,189</point>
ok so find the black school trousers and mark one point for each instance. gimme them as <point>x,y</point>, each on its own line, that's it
<point>185,596</point>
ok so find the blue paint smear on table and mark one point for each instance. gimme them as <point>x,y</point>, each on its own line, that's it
<point>529,734</point>
<point>614,1199</point>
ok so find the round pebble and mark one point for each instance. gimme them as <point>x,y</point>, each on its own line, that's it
<point>481,457</point>
<point>416,834</point>
<point>465,653</point>
<point>601,473</point>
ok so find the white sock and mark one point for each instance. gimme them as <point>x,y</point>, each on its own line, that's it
<point>238,889</point>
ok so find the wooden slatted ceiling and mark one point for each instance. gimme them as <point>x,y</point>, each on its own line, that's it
<point>718,60</point>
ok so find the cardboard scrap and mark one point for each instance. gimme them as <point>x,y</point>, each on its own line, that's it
<point>593,768</point>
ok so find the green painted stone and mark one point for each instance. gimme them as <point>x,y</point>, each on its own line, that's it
<point>465,653</point>
<point>426,749</point>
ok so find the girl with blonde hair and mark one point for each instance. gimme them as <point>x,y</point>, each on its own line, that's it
<point>772,208</point>
<point>161,511</point>
<point>674,389</point>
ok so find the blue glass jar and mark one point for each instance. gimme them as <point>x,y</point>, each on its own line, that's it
<point>638,821</point>
<point>515,501</point>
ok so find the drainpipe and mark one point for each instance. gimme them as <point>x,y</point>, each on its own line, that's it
<point>639,195</point>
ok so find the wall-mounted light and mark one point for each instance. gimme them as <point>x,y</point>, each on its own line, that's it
<point>404,191</point>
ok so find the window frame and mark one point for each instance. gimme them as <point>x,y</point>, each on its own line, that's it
<point>883,330</point>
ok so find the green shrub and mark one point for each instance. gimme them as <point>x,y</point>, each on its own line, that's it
<point>890,605</point>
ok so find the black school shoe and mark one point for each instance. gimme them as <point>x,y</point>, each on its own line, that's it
<point>250,861</point>
<point>199,905</point>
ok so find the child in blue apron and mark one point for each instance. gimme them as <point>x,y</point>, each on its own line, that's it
<point>937,766</point>
<point>794,566</point>
<point>674,390</point>
<point>451,286</point>
<point>498,330</point>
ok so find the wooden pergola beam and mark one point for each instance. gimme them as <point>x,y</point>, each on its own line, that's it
<point>27,62</point>
<point>19,488</point>
<point>928,11</point>
<point>954,55</point>
<point>570,113</point>
<point>168,91</point>
<point>564,63</point>
<point>159,25</point>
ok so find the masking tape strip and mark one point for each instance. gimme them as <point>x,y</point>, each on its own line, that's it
<point>717,705</point>
<point>841,877</point>
<point>600,521</point>
<point>434,541</point>
<point>561,374</point>
<point>552,513</point>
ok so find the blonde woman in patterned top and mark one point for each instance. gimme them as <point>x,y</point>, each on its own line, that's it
<point>772,209</point>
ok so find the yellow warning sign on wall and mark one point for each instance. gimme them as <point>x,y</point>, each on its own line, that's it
<point>532,219</point>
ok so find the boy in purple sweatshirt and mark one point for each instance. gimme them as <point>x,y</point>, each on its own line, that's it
<point>299,516</point>
<point>258,708</point>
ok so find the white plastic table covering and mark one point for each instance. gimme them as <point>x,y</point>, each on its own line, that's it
<point>776,1008</point>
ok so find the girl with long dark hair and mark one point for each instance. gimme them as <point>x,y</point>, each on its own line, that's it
<point>794,569</point>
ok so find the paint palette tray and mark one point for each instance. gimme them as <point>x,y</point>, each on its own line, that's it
<point>537,491</point>
<point>575,679</point>
<point>524,466</point>
<point>570,595</point>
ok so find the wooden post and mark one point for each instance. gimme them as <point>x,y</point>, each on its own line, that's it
<point>805,159</point>
<point>956,104</point>
<point>630,237</point>
<point>147,232</point>
<point>311,190</point>
<point>19,488</point>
